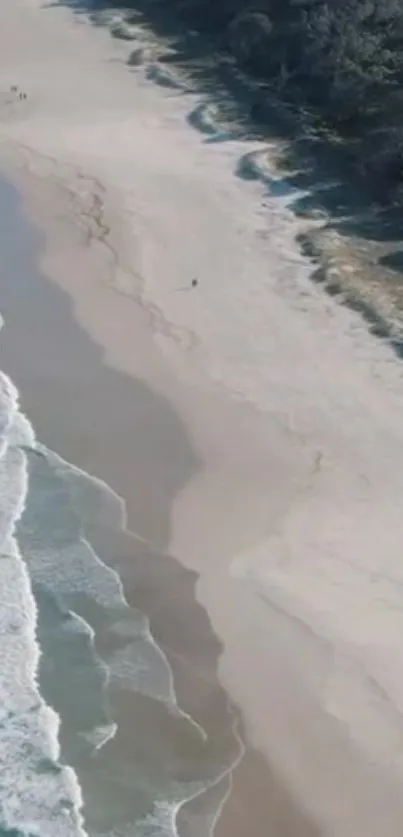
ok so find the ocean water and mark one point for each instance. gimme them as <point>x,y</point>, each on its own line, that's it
<point>92,740</point>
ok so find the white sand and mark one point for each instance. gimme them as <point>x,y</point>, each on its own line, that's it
<point>294,521</point>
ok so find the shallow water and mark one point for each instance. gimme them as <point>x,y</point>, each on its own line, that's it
<point>91,732</point>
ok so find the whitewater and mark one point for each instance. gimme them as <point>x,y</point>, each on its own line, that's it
<point>46,558</point>
<point>38,795</point>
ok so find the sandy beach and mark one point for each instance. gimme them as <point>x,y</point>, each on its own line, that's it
<point>252,425</point>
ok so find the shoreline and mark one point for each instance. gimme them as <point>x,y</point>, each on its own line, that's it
<point>155,583</point>
<point>286,503</point>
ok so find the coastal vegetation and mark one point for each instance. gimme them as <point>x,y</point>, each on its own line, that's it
<point>341,61</point>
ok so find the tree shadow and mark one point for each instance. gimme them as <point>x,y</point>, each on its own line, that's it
<point>196,47</point>
<point>314,170</point>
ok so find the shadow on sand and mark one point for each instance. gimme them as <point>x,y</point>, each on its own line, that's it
<point>314,172</point>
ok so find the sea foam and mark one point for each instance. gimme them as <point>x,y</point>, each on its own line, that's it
<point>38,796</point>
<point>45,557</point>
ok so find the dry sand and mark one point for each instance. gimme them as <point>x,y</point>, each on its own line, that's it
<point>290,512</point>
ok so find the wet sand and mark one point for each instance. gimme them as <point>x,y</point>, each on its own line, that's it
<point>87,413</point>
